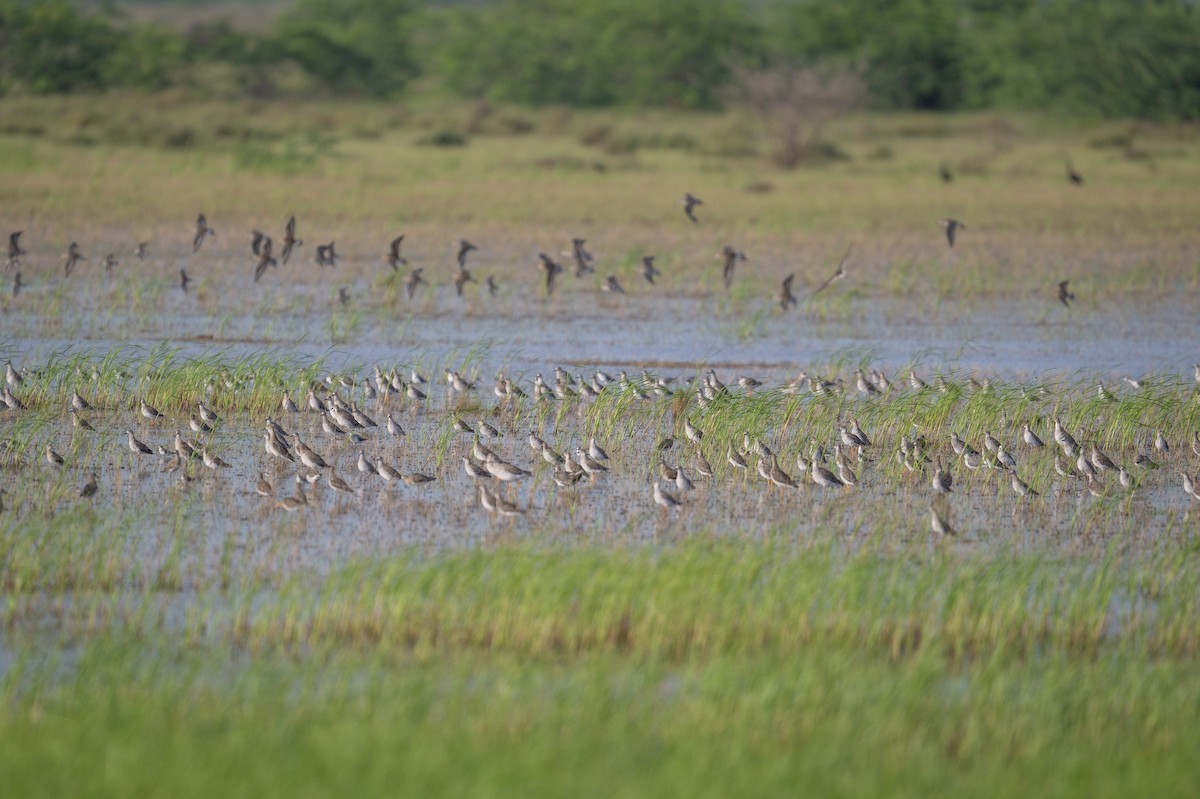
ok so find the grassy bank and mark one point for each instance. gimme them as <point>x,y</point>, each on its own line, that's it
<point>695,669</point>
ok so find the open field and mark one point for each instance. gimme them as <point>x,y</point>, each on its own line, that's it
<point>178,634</point>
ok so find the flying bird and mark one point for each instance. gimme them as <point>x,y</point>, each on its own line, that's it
<point>393,258</point>
<point>1065,296</point>
<point>1072,175</point>
<point>731,257</point>
<point>412,280</point>
<point>289,239</point>
<point>464,247</point>
<point>264,258</point>
<point>184,280</point>
<point>648,270</point>
<point>256,240</point>
<point>139,251</point>
<point>547,265</point>
<point>786,298</point>
<point>325,255</point>
<point>838,274</point>
<point>17,284</point>
<point>72,257</point>
<point>14,249</point>
<point>203,231</point>
<point>689,203</point>
<point>612,286</point>
<point>952,227</point>
<point>461,279</point>
<point>582,257</point>
<point>490,285</point>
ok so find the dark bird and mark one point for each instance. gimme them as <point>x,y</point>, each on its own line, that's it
<point>343,296</point>
<point>689,203</point>
<point>256,240</point>
<point>731,257</point>
<point>464,247</point>
<point>110,262</point>
<point>203,231</point>
<point>1065,296</point>
<point>582,257</point>
<point>72,257</point>
<point>490,285</point>
<point>264,258</point>
<point>140,251</point>
<point>89,488</point>
<point>786,298</point>
<point>184,280</point>
<point>547,265</point>
<point>14,249</point>
<point>837,275</point>
<point>289,239</point>
<point>947,175</point>
<point>326,255</point>
<point>393,258</point>
<point>952,227</point>
<point>612,286</point>
<point>648,270</point>
<point>1072,175</point>
<point>461,279</point>
<point>412,280</point>
<point>17,284</point>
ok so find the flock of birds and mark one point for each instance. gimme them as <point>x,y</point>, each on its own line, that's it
<point>263,252</point>
<point>348,428</point>
<point>345,421</point>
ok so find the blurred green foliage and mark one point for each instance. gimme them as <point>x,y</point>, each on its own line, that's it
<point>1138,58</point>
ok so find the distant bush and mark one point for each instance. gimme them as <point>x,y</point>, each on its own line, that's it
<point>1112,58</point>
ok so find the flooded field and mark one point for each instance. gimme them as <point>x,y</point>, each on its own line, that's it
<point>944,473</point>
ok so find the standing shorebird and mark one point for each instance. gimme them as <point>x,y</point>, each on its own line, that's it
<point>786,298</point>
<point>1065,296</point>
<point>289,239</point>
<point>730,256</point>
<point>648,270</point>
<point>149,411</point>
<point>393,258</point>
<point>612,286</point>
<point>110,263</point>
<point>952,227</point>
<point>464,248</point>
<point>14,249</point>
<point>838,274</point>
<point>203,231</point>
<point>141,250</point>
<point>823,477</point>
<point>490,285</point>
<point>689,203</point>
<point>52,457</point>
<point>184,280</point>
<point>71,257</point>
<point>137,447</point>
<point>547,265</point>
<point>89,488</point>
